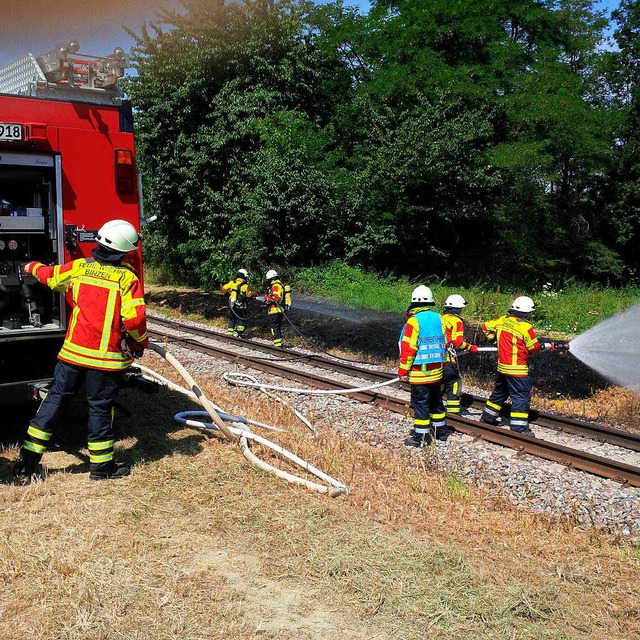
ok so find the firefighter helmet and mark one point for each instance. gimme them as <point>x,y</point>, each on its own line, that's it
<point>118,235</point>
<point>243,273</point>
<point>271,274</point>
<point>422,294</point>
<point>524,304</point>
<point>455,301</point>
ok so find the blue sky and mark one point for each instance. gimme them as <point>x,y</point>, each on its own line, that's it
<point>36,26</point>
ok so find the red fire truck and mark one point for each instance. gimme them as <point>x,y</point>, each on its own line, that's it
<point>67,165</point>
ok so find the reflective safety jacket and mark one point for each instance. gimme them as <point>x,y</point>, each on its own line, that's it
<point>238,291</point>
<point>516,339</point>
<point>104,299</point>
<point>276,293</point>
<point>422,346</point>
<point>453,334</point>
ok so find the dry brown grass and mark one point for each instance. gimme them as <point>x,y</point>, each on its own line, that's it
<point>616,406</point>
<point>200,544</point>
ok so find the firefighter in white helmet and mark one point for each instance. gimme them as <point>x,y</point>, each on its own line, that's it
<point>107,329</point>
<point>239,294</point>
<point>454,339</point>
<point>516,340</point>
<point>422,351</point>
<point>278,300</point>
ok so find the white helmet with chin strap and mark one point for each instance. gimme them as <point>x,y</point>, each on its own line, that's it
<point>422,294</point>
<point>118,235</point>
<point>271,274</point>
<point>243,272</point>
<point>455,301</point>
<point>524,304</point>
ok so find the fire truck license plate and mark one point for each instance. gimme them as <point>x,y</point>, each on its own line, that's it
<point>10,131</point>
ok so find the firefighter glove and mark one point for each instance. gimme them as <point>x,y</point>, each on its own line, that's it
<point>27,267</point>
<point>131,348</point>
<point>402,373</point>
<point>473,348</point>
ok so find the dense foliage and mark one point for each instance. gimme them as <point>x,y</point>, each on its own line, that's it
<point>457,138</point>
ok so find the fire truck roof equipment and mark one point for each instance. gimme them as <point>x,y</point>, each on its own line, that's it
<point>62,74</point>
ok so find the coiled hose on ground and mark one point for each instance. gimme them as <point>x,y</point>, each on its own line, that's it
<point>240,431</point>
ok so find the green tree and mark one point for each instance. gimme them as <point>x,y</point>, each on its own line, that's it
<point>232,101</point>
<point>624,77</point>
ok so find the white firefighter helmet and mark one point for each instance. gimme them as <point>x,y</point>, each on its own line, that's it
<point>455,301</point>
<point>524,304</point>
<point>243,272</point>
<point>422,294</point>
<point>118,235</point>
<point>272,273</point>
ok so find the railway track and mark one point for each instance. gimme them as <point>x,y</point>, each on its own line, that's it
<point>280,363</point>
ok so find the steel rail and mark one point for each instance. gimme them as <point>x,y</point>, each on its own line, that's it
<point>609,435</point>
<point>574,458</point>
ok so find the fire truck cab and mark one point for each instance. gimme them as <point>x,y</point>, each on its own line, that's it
<point>67,165</point>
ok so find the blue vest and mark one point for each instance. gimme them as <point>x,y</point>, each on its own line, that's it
<point>431,346</point>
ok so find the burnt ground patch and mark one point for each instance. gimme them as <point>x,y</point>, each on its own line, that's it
<point>375,336</point>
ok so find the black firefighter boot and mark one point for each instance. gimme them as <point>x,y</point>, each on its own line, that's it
<point>417,439</point>
<point>27,466</point>
<point>108,471</point>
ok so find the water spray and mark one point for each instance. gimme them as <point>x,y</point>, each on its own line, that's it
<point>612,349</point>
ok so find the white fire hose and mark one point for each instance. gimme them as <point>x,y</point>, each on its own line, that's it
<point>240,431</point>
<point>245,380</point>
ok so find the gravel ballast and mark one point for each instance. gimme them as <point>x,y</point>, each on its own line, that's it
<point>528,482</point>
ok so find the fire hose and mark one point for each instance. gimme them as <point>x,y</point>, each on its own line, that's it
<point>240,431</point>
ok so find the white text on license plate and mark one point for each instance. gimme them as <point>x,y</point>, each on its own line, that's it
<point>10,131</point>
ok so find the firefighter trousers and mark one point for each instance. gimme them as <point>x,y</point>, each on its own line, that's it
<point>428,409</point>
<point>275,324</point>
<point>518,388</point>
<point>452,387</point>
<point>101,388</point>
<point>236,317</point>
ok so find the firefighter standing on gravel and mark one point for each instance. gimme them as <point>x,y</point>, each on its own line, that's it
<point>239,294</point>
<point>422,351</point>
<point>454,339</point>
<point>106,330</point>
<point>516,340</point>
<point>278,300</point>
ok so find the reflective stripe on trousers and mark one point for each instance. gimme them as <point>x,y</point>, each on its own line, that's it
<point>101,388</point>
<point>452,387</point>
<point>518,388</point>
<point>428,408</point>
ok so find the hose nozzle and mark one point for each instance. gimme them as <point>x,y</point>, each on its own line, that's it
<point>560,346</point>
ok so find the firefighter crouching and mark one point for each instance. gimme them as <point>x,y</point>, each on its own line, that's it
<point>422,350</point>
<point>516,340</point>
<point>239,294</point>
<point>106,297</point>
<point>278,300</point>
<point>454,339</point>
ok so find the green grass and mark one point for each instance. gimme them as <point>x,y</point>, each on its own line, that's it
<point>568,310</point>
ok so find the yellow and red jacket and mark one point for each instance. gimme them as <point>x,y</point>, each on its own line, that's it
<point>104,299</point>
<point>238,291</point>
<point>454,334</point>
<point>275,297</point>
<point>429,372</point>
<point>516,339</point>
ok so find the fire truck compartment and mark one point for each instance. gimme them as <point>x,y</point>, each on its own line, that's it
<point>29,202</point>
